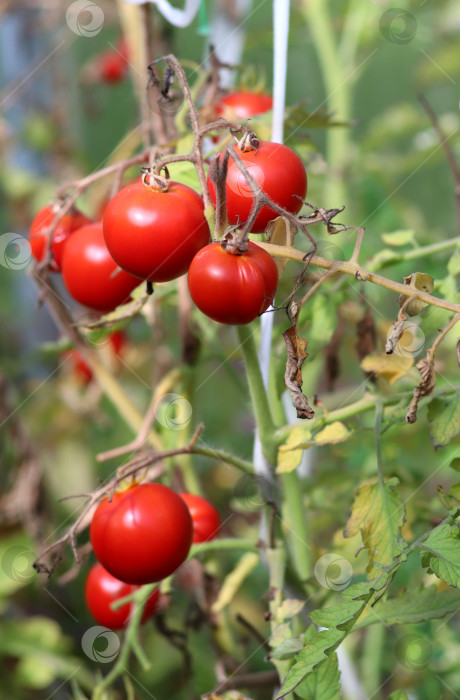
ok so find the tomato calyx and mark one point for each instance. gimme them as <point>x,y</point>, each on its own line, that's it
<point>248,142</point>
<point>235,241</point>
<point>152,178</point>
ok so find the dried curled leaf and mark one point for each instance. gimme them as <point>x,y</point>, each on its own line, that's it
<point>296,356</point>
<point>426,386</point>
<point>394,336</point>
<point>421,282</point>
<point>365,331</point>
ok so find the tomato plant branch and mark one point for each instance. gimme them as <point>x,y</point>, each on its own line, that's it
<point>354,269</point>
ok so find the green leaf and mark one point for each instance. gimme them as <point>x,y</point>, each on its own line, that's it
<point>36,671</point>
<point>323,683</point>
<point>441,553</point>
<point>444,420</point>
<point>315,652</point>
<point>412,607</point>
<point>378,513</point>
<point>455,464</point>
<point>398,695</point>
<point>398,238</point>
<point>339,616</point>
<point>287,649</point>
<point>17,555</point>
<point>319,648</point>
<point>384,258</point>
<point>323,315</point>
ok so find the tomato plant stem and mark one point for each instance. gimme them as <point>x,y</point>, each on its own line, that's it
<point>337,85</point>
<point>264,420</point>
<point>295,524</point>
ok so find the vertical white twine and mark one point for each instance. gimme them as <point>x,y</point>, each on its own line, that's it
<point>349,679</point>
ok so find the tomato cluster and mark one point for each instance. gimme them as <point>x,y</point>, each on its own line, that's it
<point>142,535</point>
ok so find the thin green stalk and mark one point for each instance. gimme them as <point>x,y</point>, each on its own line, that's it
<point>265,426</point>
<point>372,660</point>
<point>378,446</point>
<point>219,545</point>
<point>242,464</point>
<point>130,643</point>
<point>338,88</point>
<point>295,525</point>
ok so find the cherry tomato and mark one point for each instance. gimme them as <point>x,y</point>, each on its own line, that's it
<point>244,104</point>
<point>153,234</point>
<point>69,223</point>
<point>90,273</point>
<point>102,589</point>
<point>111,66</point>
<point>81,369</point>
<point>143,535</point>
<point>232,289</point>
<point>206,520</point>
<point>280,174</point>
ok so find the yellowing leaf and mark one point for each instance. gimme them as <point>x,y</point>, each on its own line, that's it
<point>421,282</point>
<point>290,454</point>
<point>378,513</point>
<point>331,435</point>
<point>390,367</point>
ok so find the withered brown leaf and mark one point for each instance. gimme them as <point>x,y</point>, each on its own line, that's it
<point>296,348</point>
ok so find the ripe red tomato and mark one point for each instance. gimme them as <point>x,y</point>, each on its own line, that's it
<point>280,174</point>
<point>81,369</point>
<point>89,272</point>
<point>143,535</point>
<point>206,520</point>
<point>244,104</point>
<point>153,234</point>
<point>232,289</point>
<point>69,223</point>
<point>102,589</point>
<point>111,66</point>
